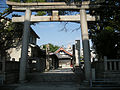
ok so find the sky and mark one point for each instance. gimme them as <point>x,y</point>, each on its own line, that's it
<point>51,32</point>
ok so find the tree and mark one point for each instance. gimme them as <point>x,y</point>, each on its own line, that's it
<point>9,33</point>
<point>52,48</point>
<point>105,34</point>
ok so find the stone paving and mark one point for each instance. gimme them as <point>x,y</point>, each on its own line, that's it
<point>53,85</point>
<point>49,86</point>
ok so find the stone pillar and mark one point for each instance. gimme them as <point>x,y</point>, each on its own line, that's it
<point>77,52</point>
<point>85,42</point>
<point>105,63</point>
<point>47,58</point>
<point>73,47</point>
<point>25,43</point>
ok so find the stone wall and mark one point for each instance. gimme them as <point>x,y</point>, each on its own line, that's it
<point>99,68</point>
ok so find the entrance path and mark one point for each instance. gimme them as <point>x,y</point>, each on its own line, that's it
<point>49,86</point>
<point>58,75</point>
<point>53,84</point>
<point>59,79</point>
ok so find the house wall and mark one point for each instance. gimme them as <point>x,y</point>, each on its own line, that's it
<point>64,63</point>
<point>15,53</point>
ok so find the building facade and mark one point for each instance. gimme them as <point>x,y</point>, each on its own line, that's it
<point>64,57</point>
<point>14,53</point>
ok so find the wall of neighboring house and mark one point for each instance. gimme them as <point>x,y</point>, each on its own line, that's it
<point>14,53</point>
<point>35,61</point>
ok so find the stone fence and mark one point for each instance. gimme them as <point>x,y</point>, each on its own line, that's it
<point>112,69</point>
<point>99,68</point>
<point>111,64</point>
<point>107,69</point>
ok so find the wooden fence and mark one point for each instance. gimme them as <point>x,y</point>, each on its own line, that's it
<point>11,73</point>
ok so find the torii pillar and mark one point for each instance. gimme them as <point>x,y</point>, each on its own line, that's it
<point>25,43</point>
<point>85,42</point>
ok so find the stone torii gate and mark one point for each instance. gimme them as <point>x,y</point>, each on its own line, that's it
<point>54,6</point>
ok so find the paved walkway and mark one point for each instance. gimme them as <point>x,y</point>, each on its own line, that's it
<point>49,86</point>
<point>52,85</point>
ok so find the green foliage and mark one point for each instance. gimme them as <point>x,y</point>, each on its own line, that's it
<point>105,34</point>
<point>41,13</point>
<point>105,43</point>
<point>15,0</point>
<point>52,48</point>
<point>9,32</point>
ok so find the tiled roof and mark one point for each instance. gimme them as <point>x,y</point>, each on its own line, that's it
<point>62,49</point>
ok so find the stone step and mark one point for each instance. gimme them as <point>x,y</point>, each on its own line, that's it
<point>105,83</point>
<point>52,77</point>
<point>101,83</point>
<point>109,75</point>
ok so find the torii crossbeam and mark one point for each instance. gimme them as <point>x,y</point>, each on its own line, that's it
<point>55,18</point>
<point>54,6</point>
<point>50,6</point>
